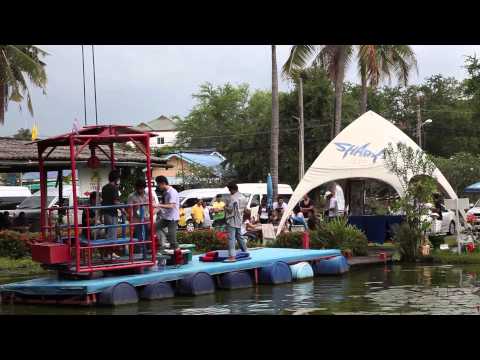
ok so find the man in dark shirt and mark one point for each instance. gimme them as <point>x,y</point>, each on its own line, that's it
<point>110,196</point>
<point>438,205</point>
<point>306,205</point>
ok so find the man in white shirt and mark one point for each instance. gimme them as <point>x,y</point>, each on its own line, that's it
<point>280,205</point>
<point>333,206</point>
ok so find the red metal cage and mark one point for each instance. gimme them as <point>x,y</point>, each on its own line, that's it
<point>62,243</point>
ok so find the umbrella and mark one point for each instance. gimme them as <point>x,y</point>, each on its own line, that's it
<point>269,191</point>
<point>474,188</point>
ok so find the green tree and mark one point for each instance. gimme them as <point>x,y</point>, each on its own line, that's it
<point>17,64</point>
<point>23,134</point>
<point>460,170</point>
<point>414,170</point>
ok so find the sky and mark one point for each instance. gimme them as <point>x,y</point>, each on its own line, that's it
<point>139,83</point>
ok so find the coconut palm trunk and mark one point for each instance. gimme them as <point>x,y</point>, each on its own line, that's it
<point>364,94</point>
<point>3,101</point>
<point>275,124</point>
<point>340,75</point>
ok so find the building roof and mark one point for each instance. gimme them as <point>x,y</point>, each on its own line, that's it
<point>162,123</point>
<point>211,160</point>
<point>22,155</point>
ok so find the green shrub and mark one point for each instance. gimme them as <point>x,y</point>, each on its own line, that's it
<point>294,240</point>
<point>16,245</point>
<point>408,240</point>
<point>288,240</point>
<point>338,234</point>
<point>436,240</point>
<point>204,240</point>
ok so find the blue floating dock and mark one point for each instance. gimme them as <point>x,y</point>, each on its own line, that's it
<point>260,258</point>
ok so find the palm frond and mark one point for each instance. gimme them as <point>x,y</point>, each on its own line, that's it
<point>299,58</point>
<point>17,63</point>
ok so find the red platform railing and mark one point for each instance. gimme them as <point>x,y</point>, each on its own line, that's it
<point>82,250</point>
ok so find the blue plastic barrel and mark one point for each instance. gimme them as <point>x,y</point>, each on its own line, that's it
<point>235,280</point>
<point>277,273</point>
<point>120,294</point>
<point>302,270</point>
<point>157,291</point>
<point>197,284</point>
<point>333,266</point>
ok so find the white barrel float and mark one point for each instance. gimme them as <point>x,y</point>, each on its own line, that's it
<point>157,291</point>
<point>196,284</point>
<point>276,273</point>
<point>302,270</point>
<point>235,280</point>
<point>334,266</point>
<point>120,294</point>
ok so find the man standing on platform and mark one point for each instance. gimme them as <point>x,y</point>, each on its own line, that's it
<point>234,207</point>
<point>111,197</point>
<point>169,213</point>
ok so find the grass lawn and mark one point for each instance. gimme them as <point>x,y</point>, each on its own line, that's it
<point>384,245</point>
<point>24,266</point>
<point>447,257</point>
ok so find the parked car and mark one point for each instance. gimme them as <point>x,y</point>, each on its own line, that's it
<point>11,196</point>
<point>475,211</point>
<point>31,205</point>
<point>253,193</point>
<point>188,198</point>
<point>448,223</point>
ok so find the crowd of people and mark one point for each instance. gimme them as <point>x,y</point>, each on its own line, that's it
<point>101,219</point>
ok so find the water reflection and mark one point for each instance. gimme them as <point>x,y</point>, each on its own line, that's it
<point>397,289</point>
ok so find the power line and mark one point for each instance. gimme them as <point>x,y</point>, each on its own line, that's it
<point>84,94</point>
<point>94,86</point>
<point>259,132</point>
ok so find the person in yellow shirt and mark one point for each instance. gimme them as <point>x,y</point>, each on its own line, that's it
<point>182,220</point>
<point>218,210</point>
<point>197,214</point>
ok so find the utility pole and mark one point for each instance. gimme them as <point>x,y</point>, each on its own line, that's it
<point>419,123</point>
<point>301,153</point>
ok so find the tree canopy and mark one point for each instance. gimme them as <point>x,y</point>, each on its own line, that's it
<point>235,120</point>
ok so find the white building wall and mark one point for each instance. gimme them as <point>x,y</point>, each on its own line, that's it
<point>169,138</point>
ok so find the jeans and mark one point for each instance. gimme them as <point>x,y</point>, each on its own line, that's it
<point>298,220</point>
<point>171,235</point>
<point>234,236</point>
<point>111,219</point>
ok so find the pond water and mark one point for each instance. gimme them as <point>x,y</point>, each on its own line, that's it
<point>396,289</point>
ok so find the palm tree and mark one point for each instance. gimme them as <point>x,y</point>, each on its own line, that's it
<point>377,62</point>
<point>275,124</point>
<point>297,76</point>
<point>17,63</point>
<point>333,58</point>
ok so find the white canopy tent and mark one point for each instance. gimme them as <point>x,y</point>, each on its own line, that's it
<point>357,152</point>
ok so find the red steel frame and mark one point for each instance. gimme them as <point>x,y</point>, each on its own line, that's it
<point>106,136</point>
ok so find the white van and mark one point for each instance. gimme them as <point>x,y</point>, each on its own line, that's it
<point>31,205</point>
<point>189,198</point>
<point>254,192</point>
<point>11,196</point>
